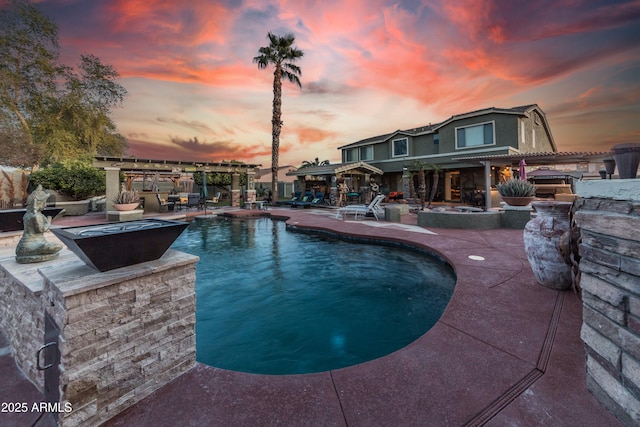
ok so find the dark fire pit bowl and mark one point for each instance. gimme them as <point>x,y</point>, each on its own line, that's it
<point>11,219</point>
<point>115,245</point>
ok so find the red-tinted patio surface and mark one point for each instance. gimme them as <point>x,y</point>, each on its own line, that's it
<point>507,351</point>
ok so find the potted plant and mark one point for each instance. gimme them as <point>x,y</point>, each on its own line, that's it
<point>126,200</point>
<point>517,192</point>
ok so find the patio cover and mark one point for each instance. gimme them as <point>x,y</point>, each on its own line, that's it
<point>339,168</point>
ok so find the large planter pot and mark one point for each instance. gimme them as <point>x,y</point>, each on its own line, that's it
<point>517,201</point>
<point>627,158</point>
<point>75,208</point>
<point>542,236</point>
<point>125,206</point>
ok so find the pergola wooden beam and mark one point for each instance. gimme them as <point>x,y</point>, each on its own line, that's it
<point>175,166</point>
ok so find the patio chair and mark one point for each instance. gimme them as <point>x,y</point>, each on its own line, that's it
<point>164,206</point>
<point>215,201</point>
<point>373,208</point>
<point>193,199</point>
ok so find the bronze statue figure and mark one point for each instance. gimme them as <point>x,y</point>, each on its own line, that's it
<point>33,247</point>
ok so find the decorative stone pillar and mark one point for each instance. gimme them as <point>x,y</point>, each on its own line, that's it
<point>235,189</point>
<point>406,182</point>
<point>113,186</point>
<point>333,196</point>
<point>608,214</point>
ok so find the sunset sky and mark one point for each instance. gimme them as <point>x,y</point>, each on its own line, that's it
<point>369,67</point>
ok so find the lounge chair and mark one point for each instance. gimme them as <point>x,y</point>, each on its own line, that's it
<point>295,198</point>
<point>317,200</point>
<point>373,207</point>
<point>308,196</point>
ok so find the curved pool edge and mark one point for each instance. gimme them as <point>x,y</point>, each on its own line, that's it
<point>492,342</point>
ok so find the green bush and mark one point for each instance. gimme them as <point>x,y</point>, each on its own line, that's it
<point>75,179</point>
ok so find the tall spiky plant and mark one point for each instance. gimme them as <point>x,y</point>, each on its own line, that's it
<point>281,53</point>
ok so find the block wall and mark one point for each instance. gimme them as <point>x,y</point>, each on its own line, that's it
<point>610,280</point>
<point>22,319</point>
<point>122,341</point>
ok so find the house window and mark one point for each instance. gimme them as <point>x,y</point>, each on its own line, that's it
<point>475,136</point>
<point>350,155</point>
<point>366,153</point>
<point>436,139</point>
<point>400,147</point>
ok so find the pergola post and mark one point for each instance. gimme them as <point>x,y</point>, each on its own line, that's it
<point>251,186</point>
<point>487,184</point>
<point>235,189</point>
<point>112,187</point>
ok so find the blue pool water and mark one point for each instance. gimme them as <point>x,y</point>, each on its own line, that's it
<point>272,301</point>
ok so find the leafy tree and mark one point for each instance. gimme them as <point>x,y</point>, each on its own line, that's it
<point>281,53</point>
<point>316,162</point>
<point>48,111</point>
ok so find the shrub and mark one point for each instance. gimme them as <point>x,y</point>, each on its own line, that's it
<point>516,188</point>
<point>75,179</point>
<point>125,197</point>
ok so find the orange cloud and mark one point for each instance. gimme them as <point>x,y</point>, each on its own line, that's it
<point>310,135</point>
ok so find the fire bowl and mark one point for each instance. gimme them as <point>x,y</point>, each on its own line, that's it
<point>114,245</point>
<point>11,219</point>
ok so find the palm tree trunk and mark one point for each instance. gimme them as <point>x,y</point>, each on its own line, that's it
<point>423,187</point>
<point>276,127</point>
<point>434,186</point>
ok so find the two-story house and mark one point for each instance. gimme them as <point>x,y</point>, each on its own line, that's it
<point>491,131</point>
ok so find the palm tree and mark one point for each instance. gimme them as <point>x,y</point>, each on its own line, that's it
<point>316,162</point>
<point>281,53</point>
<point>435,171</point>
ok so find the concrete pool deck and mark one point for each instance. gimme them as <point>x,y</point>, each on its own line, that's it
<point>506,351</point>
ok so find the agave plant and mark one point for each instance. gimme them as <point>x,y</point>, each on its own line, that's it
<point>125,197</point>
<point>516,188</point>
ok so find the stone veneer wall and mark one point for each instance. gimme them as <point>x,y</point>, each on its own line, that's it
<point>608,213</point>
<point>123,333</point>
<point>21,314</point>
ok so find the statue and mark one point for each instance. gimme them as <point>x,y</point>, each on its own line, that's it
<point>33,247</point>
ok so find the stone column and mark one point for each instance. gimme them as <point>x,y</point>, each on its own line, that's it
<point>251,188</point>
<point>235,189</point>
<point>113,186</point>
<point>608,214</point>
<point>406,183</point>
<point>333,196</point>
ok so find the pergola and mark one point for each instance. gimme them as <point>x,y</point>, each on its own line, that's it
<point>113,166</point>
<point>333,172</point>
<point>531,159</point>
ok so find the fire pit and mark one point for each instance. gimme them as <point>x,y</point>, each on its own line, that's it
<point>115,245</point>
<point>11,219</point>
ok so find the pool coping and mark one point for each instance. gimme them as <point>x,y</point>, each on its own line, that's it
<point>505,351</point>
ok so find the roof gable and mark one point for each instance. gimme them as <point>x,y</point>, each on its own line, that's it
<point>523,110</point>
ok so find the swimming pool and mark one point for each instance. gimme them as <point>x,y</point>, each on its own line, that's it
<point>271,301</point>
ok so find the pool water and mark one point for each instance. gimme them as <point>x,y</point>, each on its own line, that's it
<point>272,301</point>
